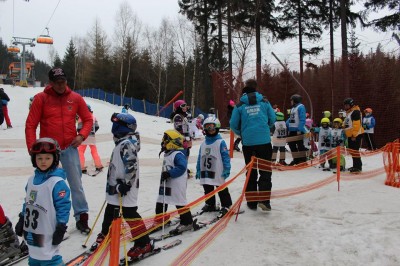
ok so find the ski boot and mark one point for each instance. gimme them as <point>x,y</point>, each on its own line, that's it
<point>265,206</point>
<point>208,208</point>
<point>9,244</point>
<point>136,252</point>
<point>82,224</point>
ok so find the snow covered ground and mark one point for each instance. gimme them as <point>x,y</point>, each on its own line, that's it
<point>359,225</point>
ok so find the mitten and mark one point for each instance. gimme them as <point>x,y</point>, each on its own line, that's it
<point>225,173</point>
<point>165,176</point>
<point>19,227</point>
<point>123,188</point>
<point>58,234</point>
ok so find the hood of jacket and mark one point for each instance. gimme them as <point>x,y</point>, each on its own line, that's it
<point>41,177</point>
<point>251,98</point>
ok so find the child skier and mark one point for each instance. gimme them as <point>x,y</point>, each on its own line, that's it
<point>325,141</point>
<point>174,180</point>
<point>91,142</point>
<point>123,181</point>
<point>279,138</point>
<point>338,135</point>
<point>181,124</point>
<point>214,166</point>
<point>45,213</point>
<point>125,109</point>
<point>9,244</point>
<point>369,125</point>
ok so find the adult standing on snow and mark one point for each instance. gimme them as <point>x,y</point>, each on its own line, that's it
<point>296,125</point>
<point>55,110</point>
<point>4,102</point>
<point>251,119</point>
<point>3,96</point>
<point>354,131</point>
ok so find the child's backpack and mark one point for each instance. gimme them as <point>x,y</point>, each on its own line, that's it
<point>342,162</point>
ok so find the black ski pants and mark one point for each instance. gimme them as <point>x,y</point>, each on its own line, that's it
<point>262,182</point>
<point>184,213</point>
<point>355,145</point>
<point>224,196</point>
<point>128,213</point>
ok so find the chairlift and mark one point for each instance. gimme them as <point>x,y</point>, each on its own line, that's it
<point>45,39</point>
<point>13,50</point>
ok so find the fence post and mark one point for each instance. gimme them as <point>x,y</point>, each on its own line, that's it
<point>144,106</point>
<point>131,103</point>
<point>115,241</point>
<point>338,167</point>
<point>231,139</point>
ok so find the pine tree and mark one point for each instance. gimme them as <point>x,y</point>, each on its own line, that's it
<point>69,64</point>
<point>388,22</point>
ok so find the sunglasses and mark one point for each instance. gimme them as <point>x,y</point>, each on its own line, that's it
<point>183,105</point>
<point>47,147</point>
<point>209,126</point>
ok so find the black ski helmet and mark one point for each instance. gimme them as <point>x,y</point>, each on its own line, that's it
<point>46,145</point>
<point>296,98</point>
<point>349,101</point>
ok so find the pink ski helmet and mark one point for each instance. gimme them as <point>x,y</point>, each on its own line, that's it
<point>178,104</point>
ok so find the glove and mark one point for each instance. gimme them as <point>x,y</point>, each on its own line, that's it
<point>165,176</point>
<point>225,174</point>
<point>19,227</point>
<point>58,235</point>
<point>123,188</point>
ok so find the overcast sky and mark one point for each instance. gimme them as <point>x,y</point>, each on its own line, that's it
<point>76,17</point>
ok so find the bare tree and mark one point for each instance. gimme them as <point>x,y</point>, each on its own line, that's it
<point>81,61</point>
<point>127,32</point>
<point>242,42</point>
<point>185,39</point>
<point>159,44</point>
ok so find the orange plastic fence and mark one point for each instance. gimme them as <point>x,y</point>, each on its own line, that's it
<point>391,160</point>
<point>137,228</point>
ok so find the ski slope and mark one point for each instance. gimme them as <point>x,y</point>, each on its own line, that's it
<point>358,225</point>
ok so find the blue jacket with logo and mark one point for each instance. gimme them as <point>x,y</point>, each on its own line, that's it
<point>252,118</point>
<point>61,193</point>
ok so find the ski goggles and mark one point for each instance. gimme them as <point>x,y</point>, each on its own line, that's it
<point>209,126</point>
<point>44,146</point>
<point>183,105</point>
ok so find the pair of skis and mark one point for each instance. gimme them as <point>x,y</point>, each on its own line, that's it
<point>196,226</point>
<point>15,259</point>
<point>81,258</point>
<point>155,251</point>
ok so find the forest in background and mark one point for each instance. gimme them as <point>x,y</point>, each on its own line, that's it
<point>217,39</point>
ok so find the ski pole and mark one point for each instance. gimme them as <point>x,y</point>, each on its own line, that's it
<point>163,225</point>
<point>94,224</point>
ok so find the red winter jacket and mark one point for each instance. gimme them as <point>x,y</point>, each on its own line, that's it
<point>56,115</point>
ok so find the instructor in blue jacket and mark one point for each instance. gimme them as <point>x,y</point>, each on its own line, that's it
<point>251,119</point>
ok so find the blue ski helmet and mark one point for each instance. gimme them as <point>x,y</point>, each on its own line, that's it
<point>123,124</point>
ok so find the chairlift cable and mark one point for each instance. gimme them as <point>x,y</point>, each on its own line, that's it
<point>48,22</point>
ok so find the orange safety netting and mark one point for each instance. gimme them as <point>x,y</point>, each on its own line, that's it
<point>391,160</point>
<point>136,228</point>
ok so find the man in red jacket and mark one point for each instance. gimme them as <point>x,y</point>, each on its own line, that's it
<point>55,110</point>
